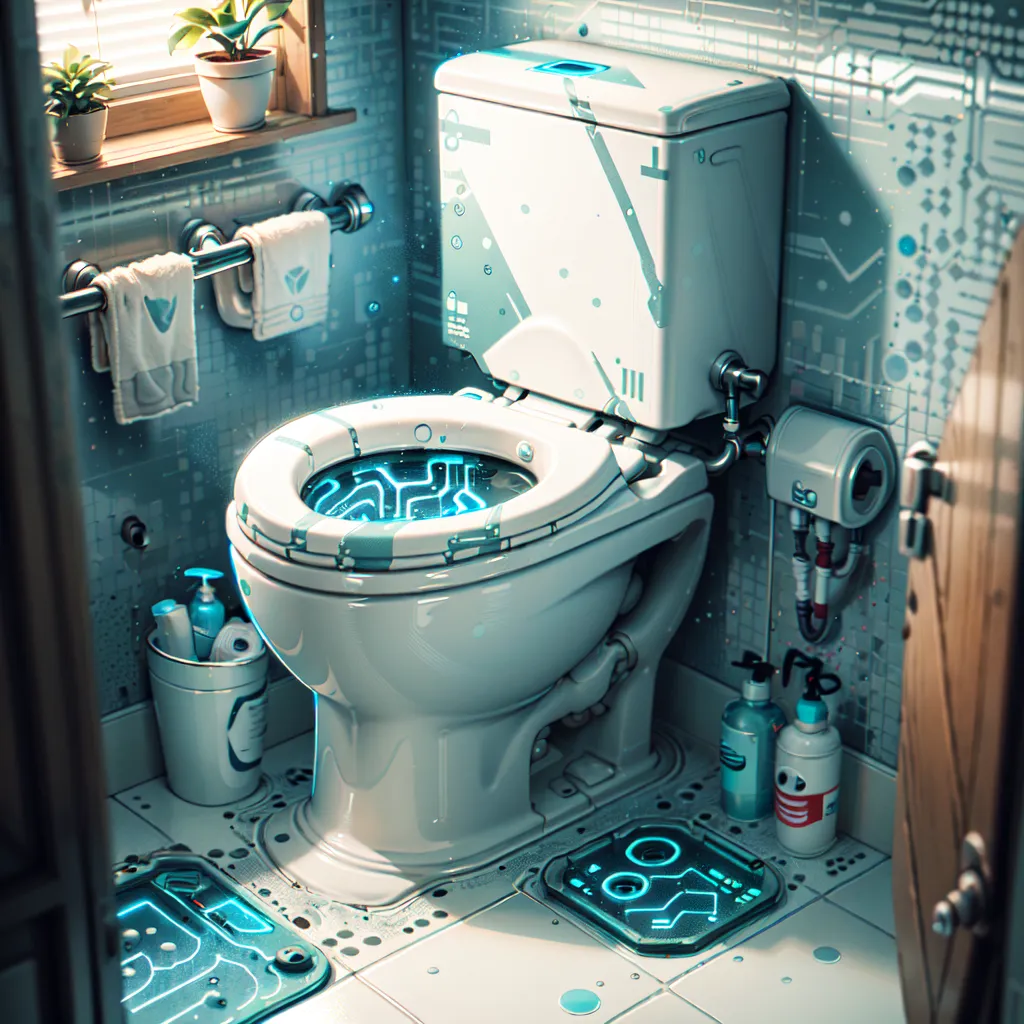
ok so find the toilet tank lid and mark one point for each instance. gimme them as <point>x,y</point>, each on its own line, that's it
<point>616,88</point>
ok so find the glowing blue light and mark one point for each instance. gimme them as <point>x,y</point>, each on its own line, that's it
<point>246,918</point>
<point>671,856</point>
<point>448,486</point>
<point>641,882</point>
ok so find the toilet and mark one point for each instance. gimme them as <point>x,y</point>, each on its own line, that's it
<point>478,588</point>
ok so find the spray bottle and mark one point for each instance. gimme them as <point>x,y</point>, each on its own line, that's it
<point>749,728</point>
<point>206,611</point>
<point>808,758</point>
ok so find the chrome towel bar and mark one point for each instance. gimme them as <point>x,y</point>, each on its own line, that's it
<point>350,209</point>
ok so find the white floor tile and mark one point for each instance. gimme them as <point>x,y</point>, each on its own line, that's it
<point>130,834</point>
<point>346,1002</point>
<point>509,964</point>
<point>206,829</point>
<point>666,1008</point>
<point>776,977</point>
<point>869,897</point>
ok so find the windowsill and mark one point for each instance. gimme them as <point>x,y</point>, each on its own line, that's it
<point>187,143</point>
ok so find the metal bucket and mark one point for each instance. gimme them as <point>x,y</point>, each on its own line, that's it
<point>212,718</point>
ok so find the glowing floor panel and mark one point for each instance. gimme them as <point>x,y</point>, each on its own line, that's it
<point>194,948</point>
<point>664,888</point>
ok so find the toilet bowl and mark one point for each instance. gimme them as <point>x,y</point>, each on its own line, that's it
<point>440,647</point>
<point>478,588</point>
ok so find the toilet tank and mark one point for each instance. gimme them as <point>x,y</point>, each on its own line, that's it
<point>611,222</point>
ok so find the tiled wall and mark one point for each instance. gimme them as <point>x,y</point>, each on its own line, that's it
<point>906,184</point>
<point>176,472</point>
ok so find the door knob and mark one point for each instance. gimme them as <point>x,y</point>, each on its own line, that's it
<point>966,906</point>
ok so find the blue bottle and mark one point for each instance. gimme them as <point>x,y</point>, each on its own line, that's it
<point>206,611</point>
<point>747,753</point>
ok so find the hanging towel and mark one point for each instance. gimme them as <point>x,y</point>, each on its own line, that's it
<point>146,336</point>
<point>289,274</point>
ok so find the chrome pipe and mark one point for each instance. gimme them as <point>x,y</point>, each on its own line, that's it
<point>350,210</point>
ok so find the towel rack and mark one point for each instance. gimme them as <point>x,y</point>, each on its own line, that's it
<point>349,210</point>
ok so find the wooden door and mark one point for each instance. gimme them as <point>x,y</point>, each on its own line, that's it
<point>59,945</point>
<point>963,730</point>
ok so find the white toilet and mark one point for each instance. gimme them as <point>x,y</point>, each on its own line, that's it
<point>478,589</point>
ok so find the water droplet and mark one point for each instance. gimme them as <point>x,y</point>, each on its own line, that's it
<point>579,1002</point>
<point>787,980</point>
<point>914,314</point>
<point>737,959</point>
<point>458,209</point>
<point>596,302</point>
<point>373,308</point>
<point>699,156</point>
<point>456,242</point>
<point>827,955</point>
<point>907,245</point>
<point>432,970</point>
<point>524,208</point>
<point>903,288</point>
<point>395,279</point>
<point>563,273</point>
<point>488,269</point>
<point>583,30</point>
<point>168,947</point>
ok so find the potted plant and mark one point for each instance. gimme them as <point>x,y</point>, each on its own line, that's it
<point>77,92</point>
<point>237,79</point>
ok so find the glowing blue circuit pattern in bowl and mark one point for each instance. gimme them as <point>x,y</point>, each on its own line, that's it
<point>414,484</point>
<point>662,888</point>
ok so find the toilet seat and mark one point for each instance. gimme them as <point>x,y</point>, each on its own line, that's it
<point>575,471</point>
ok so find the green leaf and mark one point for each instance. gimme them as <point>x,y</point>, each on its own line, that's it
<point>70,55</point>
<point>220,40</point>
<point>197,16</point>
<point>184,38</point>
<point>262,32</point>
<point>277,9</point>
<point>234,30</point>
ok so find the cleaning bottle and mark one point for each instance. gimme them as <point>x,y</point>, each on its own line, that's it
<point>206,611</point>
<point>749,728</point>
<point>174,630</point>
<point>808,758</point>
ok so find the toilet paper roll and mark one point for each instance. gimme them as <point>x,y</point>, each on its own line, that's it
<point>236,641</point>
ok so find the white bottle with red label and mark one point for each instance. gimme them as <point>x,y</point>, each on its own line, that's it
<point>808,758</point>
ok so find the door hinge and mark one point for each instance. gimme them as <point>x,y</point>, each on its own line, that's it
<point>969,904</point>
<point>919,481</point>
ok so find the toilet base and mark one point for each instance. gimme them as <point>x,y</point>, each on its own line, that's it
<point>563,789</point>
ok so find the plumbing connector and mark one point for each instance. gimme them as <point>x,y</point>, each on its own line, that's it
<point>731,376</point>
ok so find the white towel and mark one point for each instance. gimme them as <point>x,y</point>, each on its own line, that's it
<point>146,336</point>
<point>289,274</point>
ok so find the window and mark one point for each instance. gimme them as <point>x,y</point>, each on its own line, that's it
<point>129,34</point>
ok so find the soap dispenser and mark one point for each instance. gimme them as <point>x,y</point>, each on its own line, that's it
<point>206,611</point>
<point>749,728</point>
<point>808,759</point>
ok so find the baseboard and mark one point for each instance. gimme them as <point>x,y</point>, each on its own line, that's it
<point>131,742</point>
<point>693,703</point>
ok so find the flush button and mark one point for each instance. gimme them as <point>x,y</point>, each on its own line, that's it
<point>525,451</point>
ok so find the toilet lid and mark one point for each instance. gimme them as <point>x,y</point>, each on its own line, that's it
<point>414,481</point>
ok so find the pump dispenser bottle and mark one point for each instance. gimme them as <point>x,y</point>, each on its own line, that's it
<point>808,758</point>
<point>206,611</point>
<point>749,728</point>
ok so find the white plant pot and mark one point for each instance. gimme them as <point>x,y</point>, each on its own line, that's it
<point>236,93</point>
<point>79,138</point>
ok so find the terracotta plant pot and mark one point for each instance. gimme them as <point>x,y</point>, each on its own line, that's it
<point>79,138</point>
<point>236,92</point>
